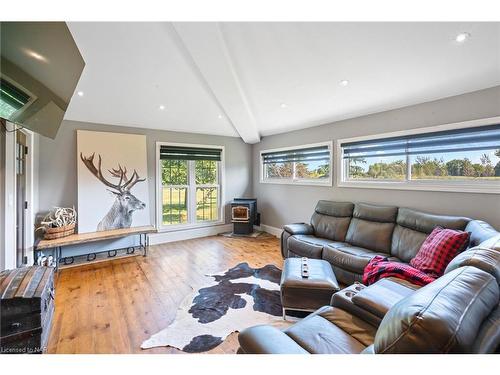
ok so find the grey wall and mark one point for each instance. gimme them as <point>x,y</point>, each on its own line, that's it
<point>57,182</point>
<point>282,204</point>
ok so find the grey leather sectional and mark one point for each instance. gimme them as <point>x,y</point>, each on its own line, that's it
<point>457,313</point>
<point>348,235</point>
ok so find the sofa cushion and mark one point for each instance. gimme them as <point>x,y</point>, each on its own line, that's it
<point>480,231</point>
<point>306,245</point>
<point>372,212</point>
<point>425,222</point>
<point>491,243</point>
<point>332,331</point>
<point>438,249</point>
<point>371,227</point>
<point>413,227</point>
<point>406,242</point>
<point>334,228</point>
<point>357,328</point>
<point>345,277</point>
<point>442,317</point>
<point>337,209</point>
<point>485,259</point>
<point>331,219</point>
<point>351,258</point>
<point>372,235</point>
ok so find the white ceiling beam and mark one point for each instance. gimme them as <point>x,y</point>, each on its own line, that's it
<point>208,50</point>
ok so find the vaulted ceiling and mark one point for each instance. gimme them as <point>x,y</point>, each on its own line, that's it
<point>256,79</point>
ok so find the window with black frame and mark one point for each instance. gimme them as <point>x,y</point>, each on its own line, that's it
<point>309,164</point>
<point>458,155</point>
<point>190,184</point>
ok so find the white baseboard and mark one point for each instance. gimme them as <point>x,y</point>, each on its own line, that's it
<point>187,234</point>
<point>271,230</point>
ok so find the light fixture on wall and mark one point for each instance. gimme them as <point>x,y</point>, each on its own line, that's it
<point>462,37</point>
<point>344,83</point>
<point>80,93</point>
<point>161,107</point>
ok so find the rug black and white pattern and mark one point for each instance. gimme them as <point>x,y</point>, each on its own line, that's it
<point>232,301</point>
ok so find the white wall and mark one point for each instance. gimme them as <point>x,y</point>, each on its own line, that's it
<point>282,204</point>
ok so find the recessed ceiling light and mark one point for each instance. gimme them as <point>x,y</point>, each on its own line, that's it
<point>220,116</point>
<point>462,37</point>
<point>162,107</point>
<point>344,82</point>
<point>80,93</point>
<point>283,105</point>
<point>35,55</point>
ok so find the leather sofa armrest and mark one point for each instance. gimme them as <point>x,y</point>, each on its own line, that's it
<point>268,340</point>
<point>484,258</point>
<point>378,298</point>
<point>343,300</point>
<point>299,228</point>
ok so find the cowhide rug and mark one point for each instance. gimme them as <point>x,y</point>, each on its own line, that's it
<point>233,300</point>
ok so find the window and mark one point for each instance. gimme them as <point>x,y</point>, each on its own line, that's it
<point>459,159</point>
<point>12,99</point>
<point>190,191</point>
<point>309,164</point>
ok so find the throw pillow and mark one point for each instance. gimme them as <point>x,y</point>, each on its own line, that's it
<point>438,249</point>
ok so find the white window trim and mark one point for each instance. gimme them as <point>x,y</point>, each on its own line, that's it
<point>450,186</point>
<point>298,181</point>
<point>32,96</point>
<point>222,174</point>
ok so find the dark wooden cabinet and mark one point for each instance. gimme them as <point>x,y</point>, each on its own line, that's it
<point>26,309</point>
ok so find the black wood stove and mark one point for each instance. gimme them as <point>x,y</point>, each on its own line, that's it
<point>244,215</point>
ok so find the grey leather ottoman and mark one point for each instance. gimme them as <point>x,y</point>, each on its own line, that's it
<point>306,294</point>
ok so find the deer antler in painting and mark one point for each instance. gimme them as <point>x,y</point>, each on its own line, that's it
<point>133,180</point>
<point>123,185</point>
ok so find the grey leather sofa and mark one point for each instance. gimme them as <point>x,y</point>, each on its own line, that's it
<point>348,235</point>
<point>457,313</point>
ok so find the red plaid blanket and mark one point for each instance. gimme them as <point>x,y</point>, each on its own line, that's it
<point>380,267</point>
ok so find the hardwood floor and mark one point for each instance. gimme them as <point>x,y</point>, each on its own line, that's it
<point>112,307</point>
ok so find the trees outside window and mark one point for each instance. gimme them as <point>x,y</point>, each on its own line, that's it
<point>310,164</point>
<point>190,190</point>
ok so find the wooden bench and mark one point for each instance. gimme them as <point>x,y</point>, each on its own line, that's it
<point>58,244</point>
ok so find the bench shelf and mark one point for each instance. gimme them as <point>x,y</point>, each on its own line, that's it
<point>57,245</point>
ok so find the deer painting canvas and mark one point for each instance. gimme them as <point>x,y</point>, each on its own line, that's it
<point>112,181</point>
